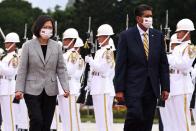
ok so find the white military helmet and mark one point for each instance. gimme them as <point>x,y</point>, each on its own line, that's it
<point>111,44</point>
<point>33,37</point>
<point>19,52</point>
<point>12,37</point>
<point>105,29</point>
<point>60,43</point>
<point>79,42</point>
<point>185,24</point>
<point>70,33</point>
<point>173,39</point>
<point>1,52</point>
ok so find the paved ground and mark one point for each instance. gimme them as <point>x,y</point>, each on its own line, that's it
<point>117,127</point>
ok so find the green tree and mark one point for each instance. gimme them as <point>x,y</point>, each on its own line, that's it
<point>14,14</point>
<point>114,13</point>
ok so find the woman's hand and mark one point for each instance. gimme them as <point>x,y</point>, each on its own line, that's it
<point>66,93</point>
<point>18,95</point>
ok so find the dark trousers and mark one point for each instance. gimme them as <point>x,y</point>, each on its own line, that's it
<point>41,110</point>
<point>0,119</point>
<point>140,110</point>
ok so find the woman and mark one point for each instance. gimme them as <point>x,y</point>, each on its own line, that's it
<point>41,63</point>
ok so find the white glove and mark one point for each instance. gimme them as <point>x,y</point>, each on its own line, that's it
<point>88,59</point>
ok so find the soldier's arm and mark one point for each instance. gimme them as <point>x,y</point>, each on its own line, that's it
<point>181,61</point>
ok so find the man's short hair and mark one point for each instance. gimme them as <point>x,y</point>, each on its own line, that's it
<point>139,10</point>
<point>39,23</point>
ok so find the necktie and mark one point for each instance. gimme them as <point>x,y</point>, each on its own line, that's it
<point>146,46</point>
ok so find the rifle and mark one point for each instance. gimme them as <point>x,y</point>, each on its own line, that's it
<point>167,33</point>
<point>56,36</point>
<point>25,33</point>
<point>161,103</point>
<point>89,49</point>
<point>127,22</point>
<point>2,34</point>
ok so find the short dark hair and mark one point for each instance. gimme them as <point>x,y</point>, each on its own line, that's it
<point>139,10</point>
<point>39,23</point>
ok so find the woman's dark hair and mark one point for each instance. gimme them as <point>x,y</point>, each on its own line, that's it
<point>39,23</point>
<point>139,10</point>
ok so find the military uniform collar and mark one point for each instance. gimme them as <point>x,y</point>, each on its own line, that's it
<point>186,42</point>
<point>106,46</point>
<point>13,52</point>
<point>69,50</point>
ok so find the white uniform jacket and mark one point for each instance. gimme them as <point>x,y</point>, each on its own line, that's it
<point>7,75</point>
<point>102,72</point>
<point>180,67</point>
<point>75,69</point>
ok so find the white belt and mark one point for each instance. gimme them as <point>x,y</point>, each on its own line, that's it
<point>97,74</point>
<point>174,71</point>
<point>5,77</point>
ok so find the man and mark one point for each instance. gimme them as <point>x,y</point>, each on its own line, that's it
<point>69,109</point>
<point>101,79</point>
<point>141,68</point>
<point>8,68</point>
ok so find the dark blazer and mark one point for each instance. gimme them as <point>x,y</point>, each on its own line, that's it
<point>132,67</point>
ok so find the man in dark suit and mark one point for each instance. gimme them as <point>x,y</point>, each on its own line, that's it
<point>142,70</point>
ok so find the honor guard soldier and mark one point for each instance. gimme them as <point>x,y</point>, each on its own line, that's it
<point>168,112</point>
<point>20,109</point>
<point>8,68</point>
<point>69,109</point>
<point>182,87</point>
<point>101,79</point>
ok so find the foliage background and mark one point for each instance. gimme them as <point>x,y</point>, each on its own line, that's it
<point>15,13</point>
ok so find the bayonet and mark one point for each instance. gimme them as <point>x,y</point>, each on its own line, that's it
<point>2,34</point>
<point>167,28</point>
<point>25,32</point>
<point>56,30</point>
<point>127,22</point>
<point>167,32</point>
<point>89,24</point>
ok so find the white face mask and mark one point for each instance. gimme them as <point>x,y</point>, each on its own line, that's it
<point>147,22</point>
<point>46,33</point>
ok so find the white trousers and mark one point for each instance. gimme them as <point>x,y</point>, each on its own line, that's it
<point>103,112</point>
<point>23,120</point>
<point>176,113</point>
<point>55,121</point>
<point>69,112</point>
<point>7,112</point>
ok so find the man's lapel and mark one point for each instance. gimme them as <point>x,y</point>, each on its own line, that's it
<point>139,41</point>
<point>151,43</point>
